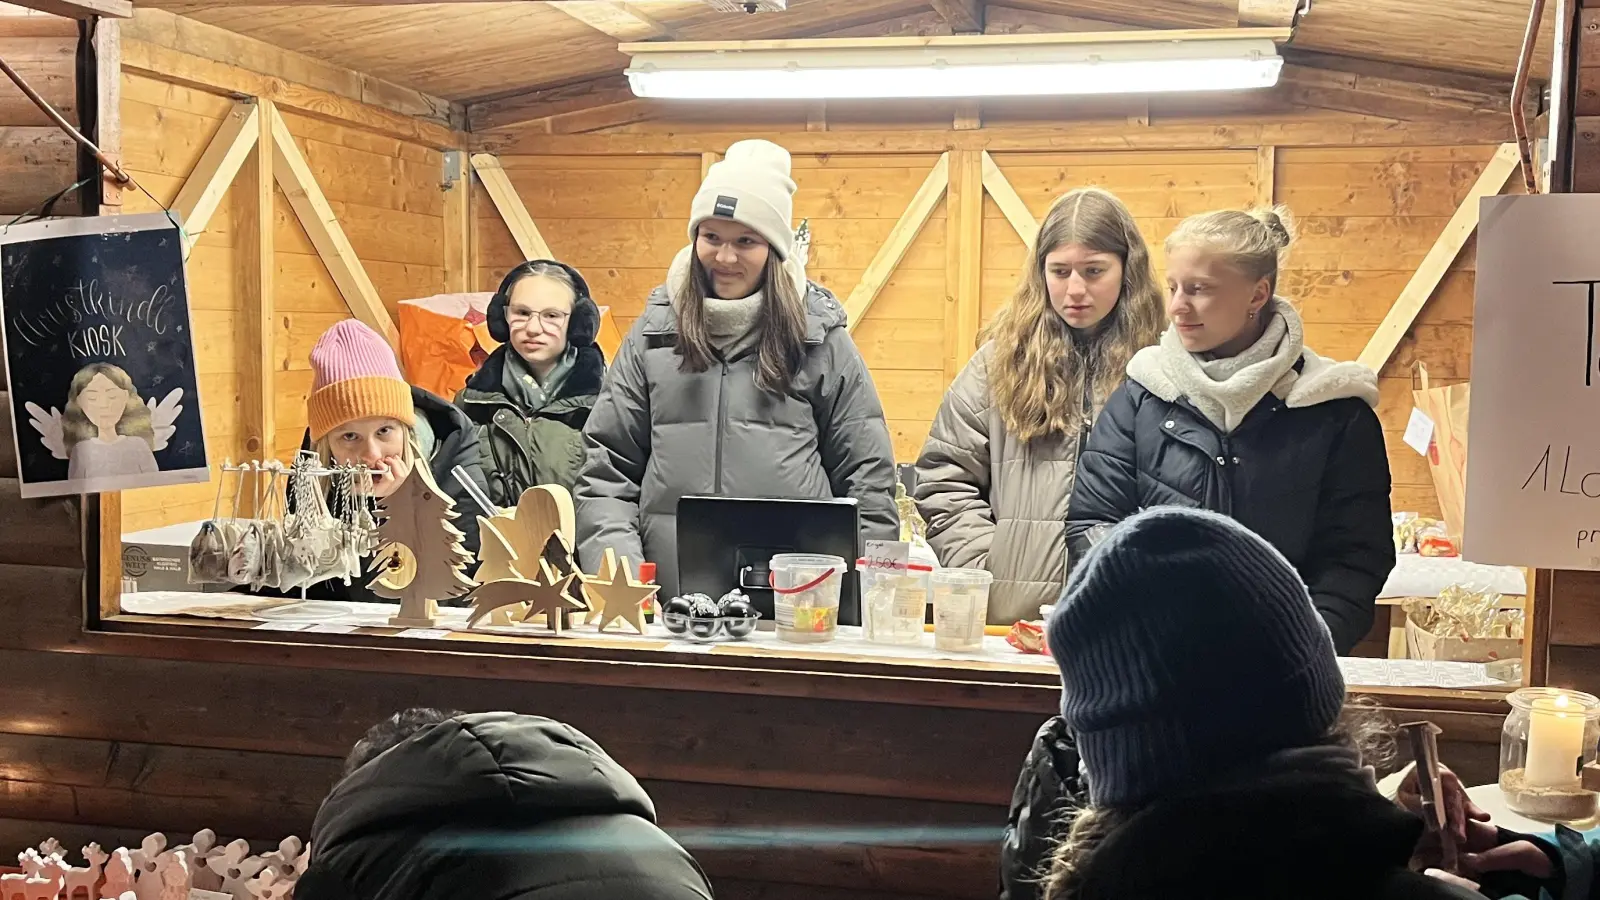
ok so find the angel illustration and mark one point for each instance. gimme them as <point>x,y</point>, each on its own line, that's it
<point>107,429</point>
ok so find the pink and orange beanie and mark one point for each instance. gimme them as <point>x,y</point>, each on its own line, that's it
<point>355,376</point>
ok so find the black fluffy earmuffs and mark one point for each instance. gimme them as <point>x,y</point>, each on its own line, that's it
<point>582,328</point>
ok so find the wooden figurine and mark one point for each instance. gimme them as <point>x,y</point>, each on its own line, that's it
<point>549,597</point>
<point>415,531</point>
<point>237,867</point>
<point>119,874</point>
<point>52,847</point>
<point>282,860</point>
<point>87,878</point>
<point>269,885</point>
<point>615,595</point>
<point>175,876</point>
<point>497,562</point>
<point>46,883</point>
<point>11,882</point>
<point>147,865</point>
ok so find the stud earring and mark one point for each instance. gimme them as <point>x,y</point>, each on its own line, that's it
<point>1251,314</point>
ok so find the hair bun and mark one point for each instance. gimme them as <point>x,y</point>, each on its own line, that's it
<point>1279,223</point>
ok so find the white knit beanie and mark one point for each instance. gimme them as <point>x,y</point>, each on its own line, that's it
<point>751,186</point>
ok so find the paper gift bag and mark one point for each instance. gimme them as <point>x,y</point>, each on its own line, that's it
<point>443,339</point>
<point>1447,452</point>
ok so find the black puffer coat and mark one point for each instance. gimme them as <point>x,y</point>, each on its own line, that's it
<point>494,805</point>
<point>1049,790</point>
<point>1309,473</point>
<point>1301,835</point>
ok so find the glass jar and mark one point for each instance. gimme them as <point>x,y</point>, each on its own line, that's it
<point>1550,735</point>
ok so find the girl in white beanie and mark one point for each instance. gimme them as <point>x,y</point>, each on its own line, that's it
<point>740,379</point>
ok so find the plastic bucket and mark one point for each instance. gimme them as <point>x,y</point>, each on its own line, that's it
<point>805,596</point>
<point>894,601</point>
<point>960,608</point>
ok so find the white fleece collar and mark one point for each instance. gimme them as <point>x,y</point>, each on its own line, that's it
<point>1225,390</point>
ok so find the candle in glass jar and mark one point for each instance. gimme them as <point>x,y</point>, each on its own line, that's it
<point>1555,743</point>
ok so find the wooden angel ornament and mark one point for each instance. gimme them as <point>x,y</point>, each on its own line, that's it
<point>420,560</point>
<point>615,595</point>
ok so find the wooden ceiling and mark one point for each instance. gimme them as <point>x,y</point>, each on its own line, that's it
<point>537,53</point>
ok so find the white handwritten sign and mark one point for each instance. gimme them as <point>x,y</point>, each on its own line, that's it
<point>1533,464</point>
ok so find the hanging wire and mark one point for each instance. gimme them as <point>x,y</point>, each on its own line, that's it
<point>116,171</point>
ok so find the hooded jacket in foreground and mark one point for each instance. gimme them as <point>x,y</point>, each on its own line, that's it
<point>1306,835</point>
<point>658,433</point>
<point>494,806</point>
<point>1304,467</point>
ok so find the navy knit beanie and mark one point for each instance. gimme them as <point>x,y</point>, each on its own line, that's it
<point>1188,647</point>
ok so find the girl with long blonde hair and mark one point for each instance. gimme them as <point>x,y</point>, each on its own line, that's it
<point>998,466</point>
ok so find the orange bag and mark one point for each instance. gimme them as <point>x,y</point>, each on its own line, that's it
<point>443,340</point>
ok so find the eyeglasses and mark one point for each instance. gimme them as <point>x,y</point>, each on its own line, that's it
<point>548,318</point>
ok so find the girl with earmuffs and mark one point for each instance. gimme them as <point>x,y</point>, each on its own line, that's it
<point>531,398</point>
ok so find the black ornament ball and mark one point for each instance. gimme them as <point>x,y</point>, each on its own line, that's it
<point>739,609</point>
<point>675,614</point>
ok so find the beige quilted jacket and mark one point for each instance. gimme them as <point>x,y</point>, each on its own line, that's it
<point>993,502</point>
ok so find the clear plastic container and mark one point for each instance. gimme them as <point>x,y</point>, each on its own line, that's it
<point>894,600</point>
<point>1547,739</point>
<point>805,596</point>
<point>960,608</point>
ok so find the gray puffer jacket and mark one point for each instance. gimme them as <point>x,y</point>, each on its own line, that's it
<point>658,433</point>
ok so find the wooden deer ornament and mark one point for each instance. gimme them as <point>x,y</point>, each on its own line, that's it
<point>46,883</point>
<point>86,879</point>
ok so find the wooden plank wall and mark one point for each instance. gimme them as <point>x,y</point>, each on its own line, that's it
<point>386,194</point>
<point>36,158</point>
<point>1369,216</point>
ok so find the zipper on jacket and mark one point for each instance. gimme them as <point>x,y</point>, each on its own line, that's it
<point>722,421</point>
<point>1225,462</point>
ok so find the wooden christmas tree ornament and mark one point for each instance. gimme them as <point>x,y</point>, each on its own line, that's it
<point>420,560</point>
<point>615,595</point>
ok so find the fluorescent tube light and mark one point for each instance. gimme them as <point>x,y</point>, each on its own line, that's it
<point>792,71</point>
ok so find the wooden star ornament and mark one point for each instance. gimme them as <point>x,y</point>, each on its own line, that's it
<point>615,595</point>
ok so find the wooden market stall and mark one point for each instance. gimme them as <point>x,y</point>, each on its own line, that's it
<point>336,160</point>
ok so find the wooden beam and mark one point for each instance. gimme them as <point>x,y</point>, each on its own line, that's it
<point>108,91</point>
<point>513,109</point>
<point>81,9</point>
<point>1010,20</point>
<point>1276,35</point>
<point>197,38</point>
<point>1288,130</point>
<point>504,196</point>
<point>899,241</point>
<point>311,207</point>
<point>166,64</point>
<point>600,118</point>
<point>963,259</point>
<point>1415,296</point>
<point>257,265</point>
<point>202,191</point>
<point>458,252</point>
<point>707,160</point>
<point>1010,203</point>
<point>964,16</point>
<point>622,21</point>
<point>1270,13</point>
<point>817,115</point>
<point>1266,175</point>
<point>969,115</point>
<point>1372,95</point>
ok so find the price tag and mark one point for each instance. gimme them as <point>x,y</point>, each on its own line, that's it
<point>425,634</point>
<point>888,554</point>
<point>282,626</point>
<point>1419,431</point>
<point>197,894</point>
<point>331,629</point>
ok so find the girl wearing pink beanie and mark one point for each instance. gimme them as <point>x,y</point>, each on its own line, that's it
<point>362,410</point>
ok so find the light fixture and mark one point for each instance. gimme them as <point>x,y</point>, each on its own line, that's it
<point>1134,62</point>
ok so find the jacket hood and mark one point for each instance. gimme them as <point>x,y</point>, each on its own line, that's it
<point>824,312</point>
<point>482,770</point>
<point>444,417</point>
<point>1311,381</point>
<point>486,386</point>
<point>1299,834</point>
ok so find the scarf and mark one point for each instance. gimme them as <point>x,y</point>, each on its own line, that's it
<point>526,390</point>
<point>1225,390</point>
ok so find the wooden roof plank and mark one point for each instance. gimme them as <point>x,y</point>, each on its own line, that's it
<point>81,9</point>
